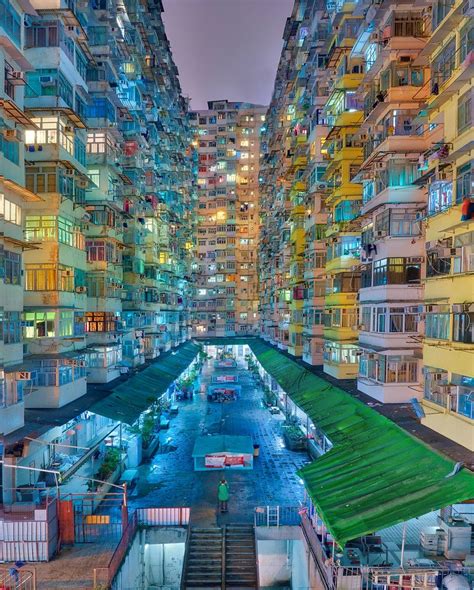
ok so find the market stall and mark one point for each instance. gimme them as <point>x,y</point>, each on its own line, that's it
<point>219,392</point>
<point>223,452</point>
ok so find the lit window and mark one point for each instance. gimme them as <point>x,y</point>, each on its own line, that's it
<point>9,210</point>
<point>94,175</point>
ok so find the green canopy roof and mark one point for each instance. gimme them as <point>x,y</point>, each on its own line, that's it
<point>376,475</point>
<point>222,443</point>
<point>132,397</point>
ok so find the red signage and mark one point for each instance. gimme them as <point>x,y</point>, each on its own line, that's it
<point>231,460</point>
<point>220,461</point>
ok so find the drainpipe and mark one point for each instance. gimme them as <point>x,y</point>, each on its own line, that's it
<point>404,536</point>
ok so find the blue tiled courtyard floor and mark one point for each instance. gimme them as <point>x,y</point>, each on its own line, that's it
<point>169,479</point>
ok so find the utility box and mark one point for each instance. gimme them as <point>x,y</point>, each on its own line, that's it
<point>457,543</point>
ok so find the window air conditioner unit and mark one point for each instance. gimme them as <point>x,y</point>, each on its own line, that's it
<point>69,129</point>
<point>420,215</point>
<point>47,81</point>
<point>81,289</point>
<point>415,260</point>
<point>449,252</point>
<point>16,78</point>
<point>432,245</point>
<point>13,135</point>
<point>69,172</point>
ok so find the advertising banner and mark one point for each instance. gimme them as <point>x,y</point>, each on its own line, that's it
<point>231,460</point>
<point>215,461</point>
<point>220,461</point>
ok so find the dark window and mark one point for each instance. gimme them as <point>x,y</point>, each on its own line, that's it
<point>463,330</point>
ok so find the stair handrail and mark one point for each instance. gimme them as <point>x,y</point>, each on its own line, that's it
<point>223,560</point>
<point>257,570</point>
<point>316,550</point>
<point>185,559</point>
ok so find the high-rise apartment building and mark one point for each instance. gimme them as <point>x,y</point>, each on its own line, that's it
<point>392,246</point>
<point>14,200</point>
<point>344,116</point>
<point>97,197</point>
<point>227,140</point>
<point>447,173</point>
<point>283,193</point>
<point>385,107</point>
<point>316,217</point>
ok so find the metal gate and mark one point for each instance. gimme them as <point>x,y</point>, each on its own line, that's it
<point>92,527</point>
<point>18,579</point>
<point>97,519</point>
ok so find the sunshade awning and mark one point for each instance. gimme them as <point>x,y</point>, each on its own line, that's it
<point>131,398</point>
<point>377,474</point>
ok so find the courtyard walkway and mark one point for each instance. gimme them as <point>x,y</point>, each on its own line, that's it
<point>169,479</point>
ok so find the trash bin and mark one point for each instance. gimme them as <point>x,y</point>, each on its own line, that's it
<point>256,450</point>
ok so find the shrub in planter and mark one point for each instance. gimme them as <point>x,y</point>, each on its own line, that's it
<point>147,430</point>
<point>109,465</point>
<point>294,437</point>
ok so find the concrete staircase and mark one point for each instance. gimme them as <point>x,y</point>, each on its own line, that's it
<point>240,557</point>
<point>220,558</point>
<point>203,567</point>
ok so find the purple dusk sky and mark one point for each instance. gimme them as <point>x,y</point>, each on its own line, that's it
<point>226,48</point>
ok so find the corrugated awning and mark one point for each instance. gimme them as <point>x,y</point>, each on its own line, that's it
<point>376,475</point>
<point>131,398</point>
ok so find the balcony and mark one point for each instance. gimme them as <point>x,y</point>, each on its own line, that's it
<point>449,76</point>
<point>445,19</point>
<point>343,252</point>
<point>55,140</point>
<point>57,381</point>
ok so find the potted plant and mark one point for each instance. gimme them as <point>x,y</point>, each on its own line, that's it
<point>294,437</point>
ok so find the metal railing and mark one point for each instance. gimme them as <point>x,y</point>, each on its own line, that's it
<point>257,566</point>
<point>327,572</point>
<point>333,575</point>
<point>141,517</point>
<point>277,516</point>
<point>18,579</point>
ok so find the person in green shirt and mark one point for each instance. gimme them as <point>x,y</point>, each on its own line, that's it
<point>223,495</point>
